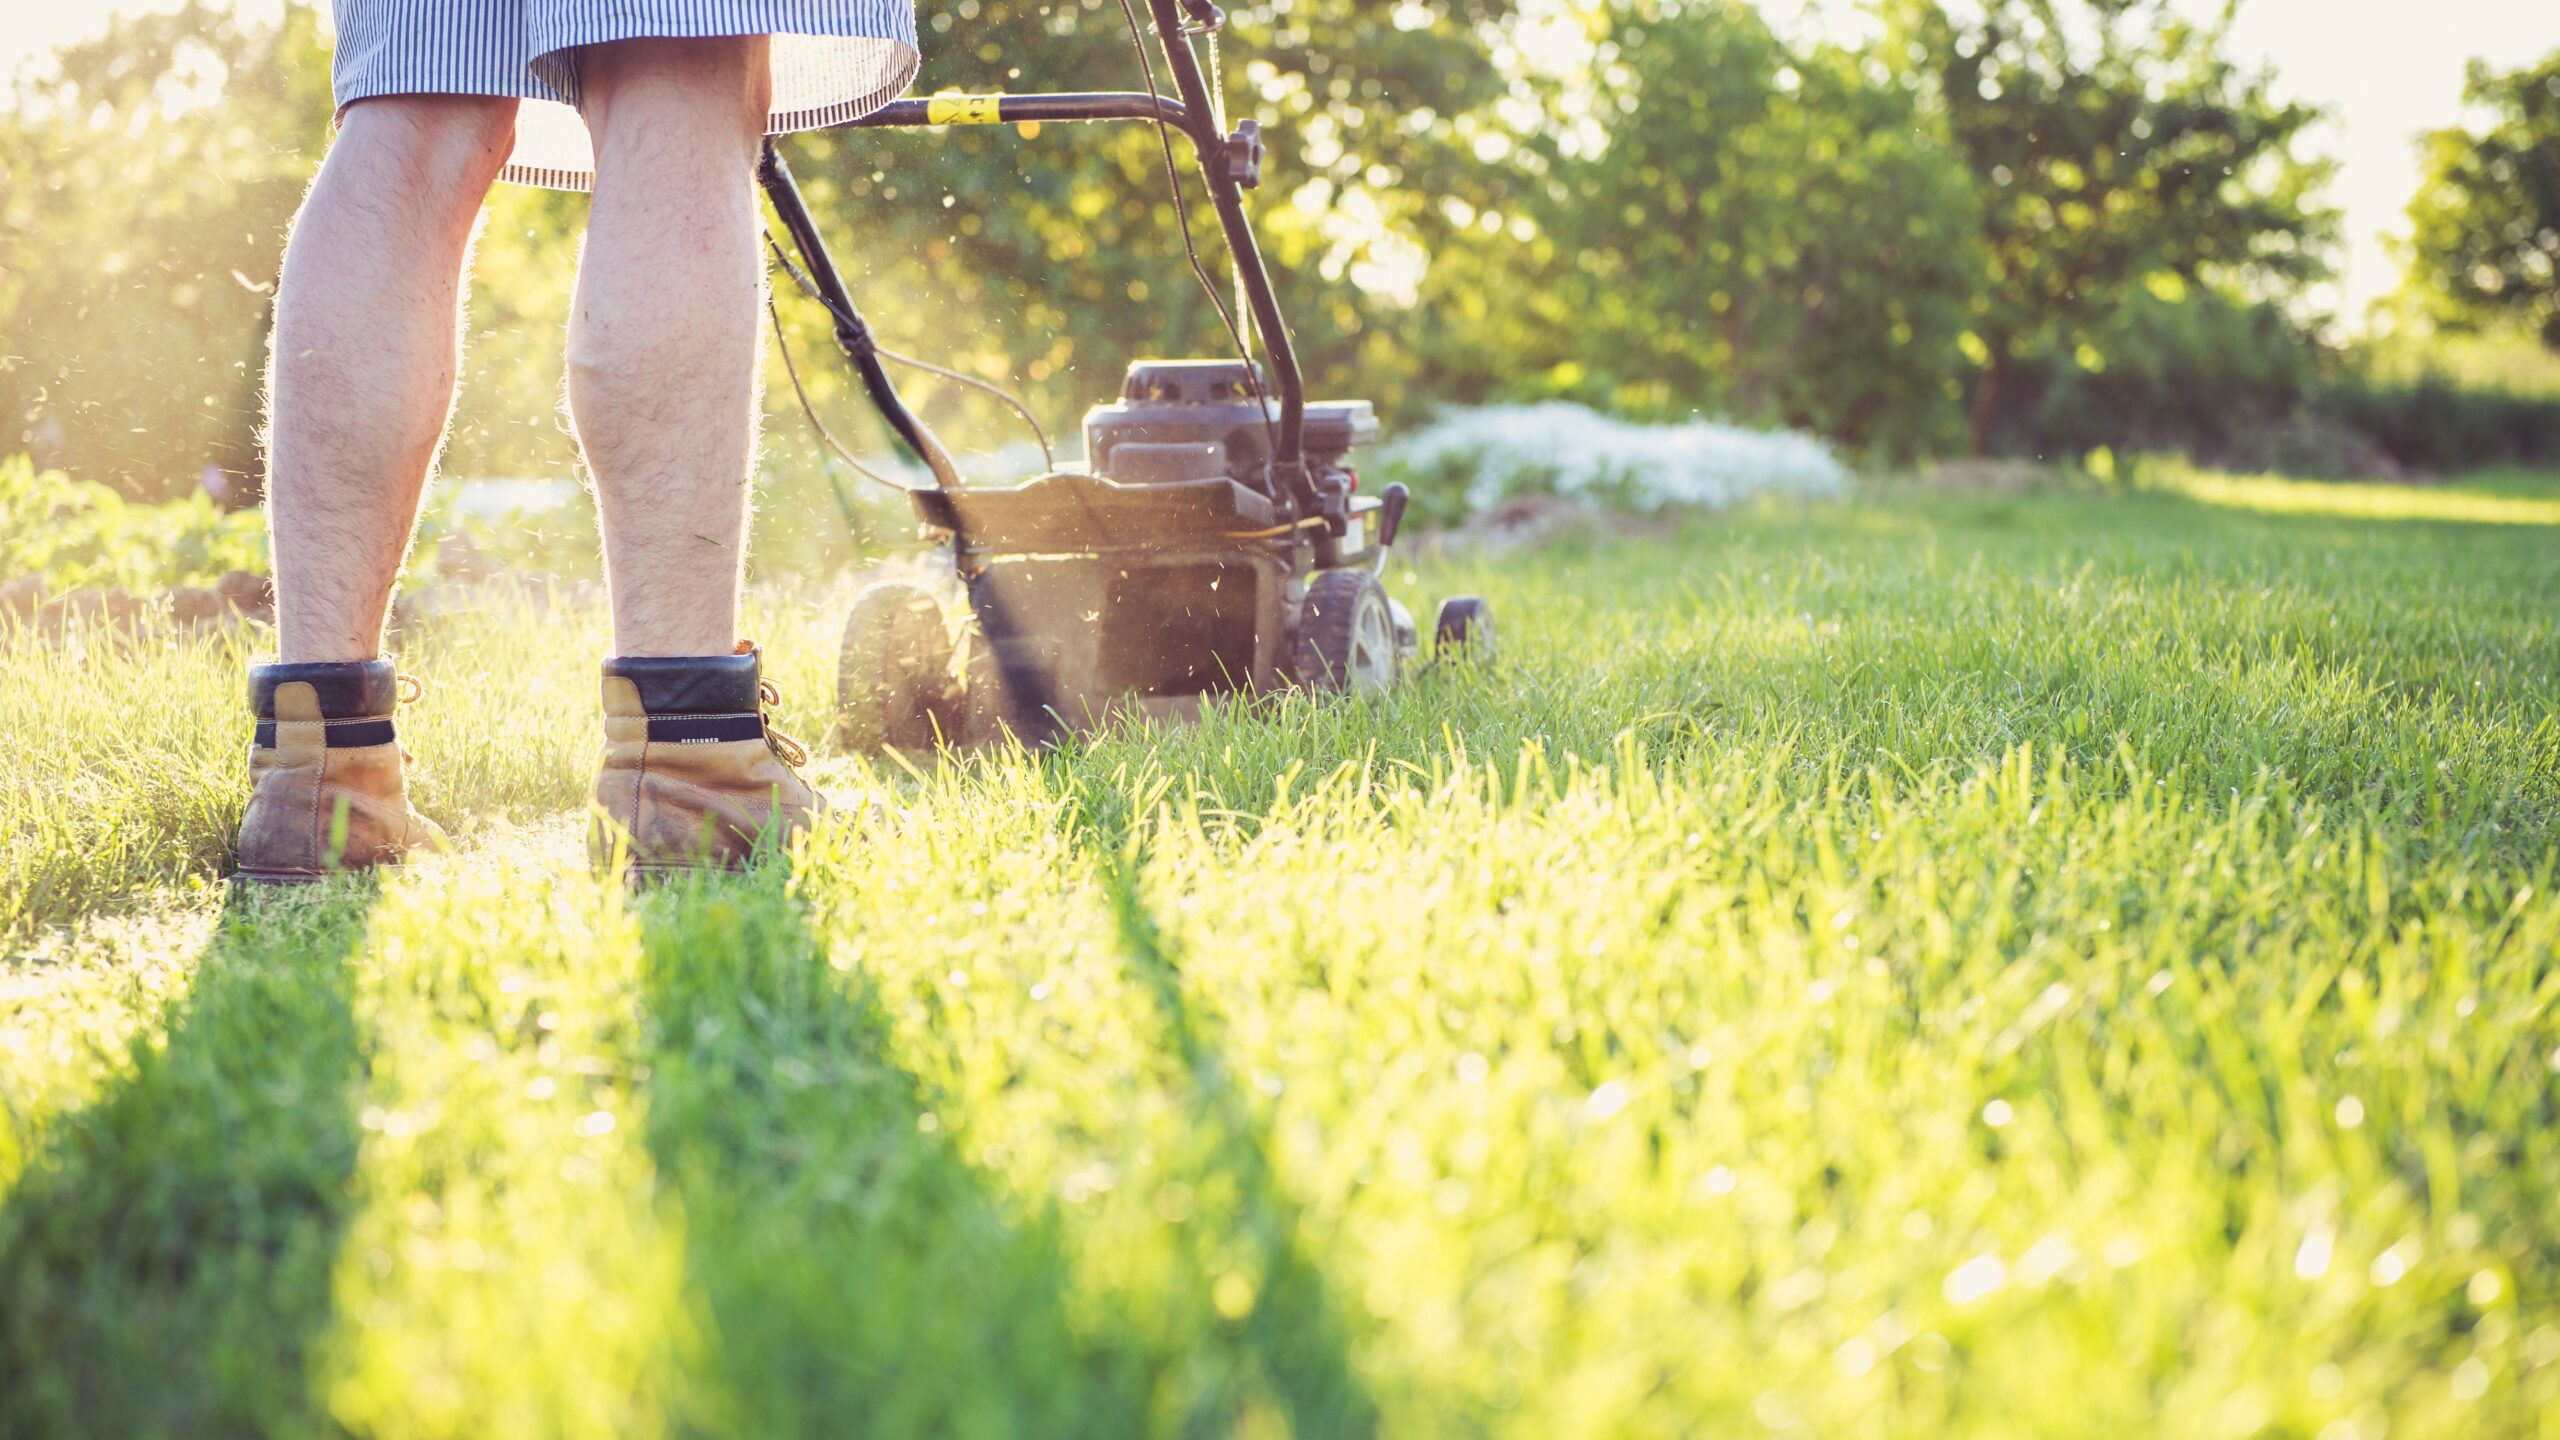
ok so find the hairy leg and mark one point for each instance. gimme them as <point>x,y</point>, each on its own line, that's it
<point>361,371</point>
<point>663,340</point>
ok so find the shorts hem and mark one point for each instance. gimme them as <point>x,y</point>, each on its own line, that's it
<point>780,122</point>
<point>531,89</point>
<point>604,30</point>
<point>548,177</point>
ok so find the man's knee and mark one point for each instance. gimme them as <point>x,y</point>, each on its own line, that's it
<point>446,149</point>
<point>629,85</point>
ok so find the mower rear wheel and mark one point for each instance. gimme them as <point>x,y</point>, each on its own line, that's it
<point>1346,634</point>
<point>894,683</point>
<point>1464,630</point>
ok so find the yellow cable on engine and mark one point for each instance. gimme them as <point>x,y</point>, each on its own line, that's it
<point>1274,532</point>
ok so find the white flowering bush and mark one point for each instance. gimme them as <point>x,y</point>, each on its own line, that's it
<point>1469,461</point>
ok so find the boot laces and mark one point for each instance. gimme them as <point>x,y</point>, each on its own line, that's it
<point>792,752</point>
<point>408,689</point>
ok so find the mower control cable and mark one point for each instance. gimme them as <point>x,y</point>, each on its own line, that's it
<point>1208,20</point>
<point>824,434</point>
<point>1218,117</point>
<point>853,323</point>
<point>1182,207</point>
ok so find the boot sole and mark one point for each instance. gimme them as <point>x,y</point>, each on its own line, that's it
<point>641,877</point>
<point>278,877</point>
<point>304,877</point>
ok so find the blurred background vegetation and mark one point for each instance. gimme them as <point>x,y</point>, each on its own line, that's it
<point>2023,227</point>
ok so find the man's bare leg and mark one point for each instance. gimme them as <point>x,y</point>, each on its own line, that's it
<point>361,374</point>
<point>663,339</point>
<point>662,389</point>
<point>359,385</point>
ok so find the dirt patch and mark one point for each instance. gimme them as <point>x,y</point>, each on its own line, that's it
<point>238,598</point>
<point>1521,521</point>
<point>1531,521</point>
<point>1988,475</point>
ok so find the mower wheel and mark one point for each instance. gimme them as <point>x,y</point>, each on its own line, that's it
<point>1408,638</point>
<point>894,683</point>
<point>1346,634</point>
<point>1464,630</point>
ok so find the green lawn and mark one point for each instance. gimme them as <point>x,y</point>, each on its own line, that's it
<point>1936,965</point>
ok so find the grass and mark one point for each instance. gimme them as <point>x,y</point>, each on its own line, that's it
<point>2044,965</point>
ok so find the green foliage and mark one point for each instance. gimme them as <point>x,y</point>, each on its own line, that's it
<point>2441,400</point>
<point>77,533</point>
<point>2170,368</point>
<point>2485,225</point>
<point>2035,226</point>
<point>2437,425</point>
<point>145,186</point>
<point>1048,257</point>
<point>1735,226</point>
<point>2113,142</point>
<point>2500,359</point>
<point>1900,969</point>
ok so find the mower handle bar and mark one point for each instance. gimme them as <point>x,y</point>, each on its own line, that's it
<point>1191,114</point>
<point>935,111</point>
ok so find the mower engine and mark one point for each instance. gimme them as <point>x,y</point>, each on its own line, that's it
<point>1179,419</point>
<point>1167,569</point>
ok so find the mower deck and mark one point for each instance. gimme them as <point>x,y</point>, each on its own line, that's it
<point>1068,510</point>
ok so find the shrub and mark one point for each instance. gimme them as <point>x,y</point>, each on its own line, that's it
<point>2169,369</point>
<point>78,533</point>
<point>2436,424</point>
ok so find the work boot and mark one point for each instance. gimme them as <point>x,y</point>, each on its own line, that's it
<point>328,788</point>
<point>694,775</point>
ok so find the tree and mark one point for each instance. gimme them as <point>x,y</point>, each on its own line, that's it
<point>2485,226</point>
<point>147,177</point>
<point>146,180</point>
<point>1764,230</point>
<point>2112,142</point>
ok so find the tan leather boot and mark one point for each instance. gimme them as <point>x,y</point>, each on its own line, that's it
<point>328,784</point>
<point>694,776</point>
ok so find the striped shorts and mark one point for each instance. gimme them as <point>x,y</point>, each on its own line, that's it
<point>833,60</point>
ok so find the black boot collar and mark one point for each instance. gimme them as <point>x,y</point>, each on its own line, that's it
<point>348,690</point>
<point>690,684</point>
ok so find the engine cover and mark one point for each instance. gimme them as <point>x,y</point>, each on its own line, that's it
<point>1207,409</point>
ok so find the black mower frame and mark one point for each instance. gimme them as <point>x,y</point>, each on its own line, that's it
<point>1142,539</point>
<point>1229,165</point>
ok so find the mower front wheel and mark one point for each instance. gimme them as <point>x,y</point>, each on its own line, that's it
<point>1464,630</point>
<point>1346,634</point>
<point>895,686</point>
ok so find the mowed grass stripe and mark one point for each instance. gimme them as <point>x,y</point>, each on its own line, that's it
<point>74,1006</point>
<point>852,1270</point>
<point>510,1271</point>
<point>1047,1031</point>
<point>2056,965</point>
<point>166,1254</point>
<point>774,1234</point>
<point>1856,1077</point>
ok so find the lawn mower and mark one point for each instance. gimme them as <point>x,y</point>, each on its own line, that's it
<point>1213,542</point>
